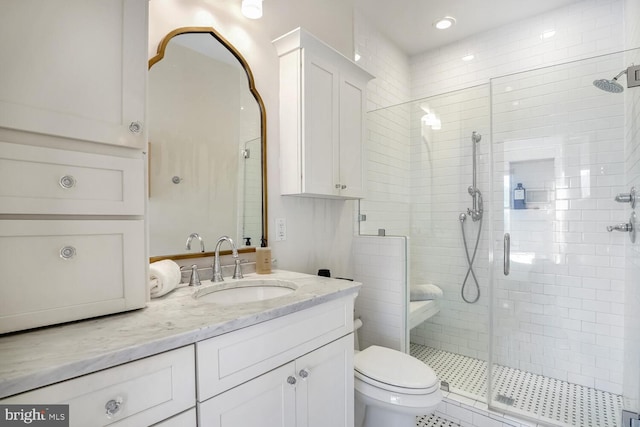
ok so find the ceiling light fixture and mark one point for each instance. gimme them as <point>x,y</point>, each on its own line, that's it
<point>444,23</point>
<point>252,9</point>
<point>468,57</point>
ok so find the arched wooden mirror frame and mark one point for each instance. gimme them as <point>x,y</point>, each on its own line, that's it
<point>263,127</point>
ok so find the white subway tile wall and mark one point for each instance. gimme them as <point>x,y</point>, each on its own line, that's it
<point>381,266</point>
<point>632,169</point>
<point>386,203</point>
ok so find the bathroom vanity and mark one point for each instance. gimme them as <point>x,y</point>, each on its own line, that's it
<point>182,361</point>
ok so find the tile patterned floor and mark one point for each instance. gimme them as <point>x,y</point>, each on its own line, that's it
<point>563,402</point>
<point>433,421</point>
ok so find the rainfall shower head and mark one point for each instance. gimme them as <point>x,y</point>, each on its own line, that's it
<point>610,85</point>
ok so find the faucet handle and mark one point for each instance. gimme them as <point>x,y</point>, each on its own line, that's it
<point>237,271</point>
<point>194,280</point>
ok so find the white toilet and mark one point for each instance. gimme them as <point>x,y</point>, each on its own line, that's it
<point>392,388</point>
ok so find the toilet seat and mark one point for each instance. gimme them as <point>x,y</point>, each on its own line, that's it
<point>394,371</point>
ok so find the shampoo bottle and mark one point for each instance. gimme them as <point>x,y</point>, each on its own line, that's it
<point>263,258</point>
<point>519,195</point>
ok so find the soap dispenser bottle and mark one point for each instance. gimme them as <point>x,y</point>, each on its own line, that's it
<point>519,196</point>
<point>263,258</point>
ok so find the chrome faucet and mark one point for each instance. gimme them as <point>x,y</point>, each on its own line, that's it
<point>195,236</point>
<point>217,270</point>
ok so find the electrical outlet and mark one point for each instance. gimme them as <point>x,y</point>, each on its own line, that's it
<point>281,229</point>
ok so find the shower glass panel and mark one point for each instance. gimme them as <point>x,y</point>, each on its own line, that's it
<point>557,318</point>
<point>418,176</point>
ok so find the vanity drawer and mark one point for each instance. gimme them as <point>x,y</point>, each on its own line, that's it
<point>149,390</point>
<point>231,359</point>
<point>57,271</point>
<point>39,180</point>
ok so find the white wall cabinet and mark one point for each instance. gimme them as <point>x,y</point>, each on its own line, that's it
<point>301,376</point>
<point>75,69</point>
<point>322,119</point>
<point>72,123</point>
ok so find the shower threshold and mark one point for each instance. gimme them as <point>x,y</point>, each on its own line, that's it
<point>531,395</point>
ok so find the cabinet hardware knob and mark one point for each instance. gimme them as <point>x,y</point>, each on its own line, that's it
<point>291,380</point>
<point>135,127</point>
<point>304,373</point>
<point>343,187</point>
<point>67,252</point>
<point>113,406</point>
<point>338,186</point>
<point>67,181</point>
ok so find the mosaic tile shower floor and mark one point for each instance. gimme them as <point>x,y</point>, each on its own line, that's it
<point>563,402</point>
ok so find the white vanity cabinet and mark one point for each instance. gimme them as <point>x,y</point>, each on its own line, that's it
<point>139,393</point>
<point>322,119</point>
<point>296,370</point>
<point>75,69</point>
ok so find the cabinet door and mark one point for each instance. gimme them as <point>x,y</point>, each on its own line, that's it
<point>320,152</point>
<point>352,105</point>
<point>74,68</point>
<point>325,386</point>
<point>268,400</point>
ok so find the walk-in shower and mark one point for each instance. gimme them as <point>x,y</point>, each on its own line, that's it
<point>546,343</point>
<point>476,214</point>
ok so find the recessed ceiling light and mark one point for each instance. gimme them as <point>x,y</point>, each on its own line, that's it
<point>444,23</point>
<point>546,34</point>
<point>468,57</point>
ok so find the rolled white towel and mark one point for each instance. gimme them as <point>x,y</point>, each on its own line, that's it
<point>425,292</point>
<point>164,276</point>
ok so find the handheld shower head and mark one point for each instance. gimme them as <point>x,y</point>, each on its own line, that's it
<point>612,85</point>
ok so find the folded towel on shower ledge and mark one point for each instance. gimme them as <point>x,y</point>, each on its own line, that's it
<point>425,292</point>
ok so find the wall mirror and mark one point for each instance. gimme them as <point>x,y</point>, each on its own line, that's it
<point>207,146</point>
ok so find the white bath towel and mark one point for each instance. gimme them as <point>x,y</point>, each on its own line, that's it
<point>425,292</point>
<point>164,276</point>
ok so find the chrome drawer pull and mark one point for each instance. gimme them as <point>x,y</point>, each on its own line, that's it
<point>67,252</point>
<point>113,406</point>
<point>67,181</point>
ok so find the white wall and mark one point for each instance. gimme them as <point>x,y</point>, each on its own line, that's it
<point>326,244</point>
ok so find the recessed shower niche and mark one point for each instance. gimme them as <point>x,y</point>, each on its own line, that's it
<point>536,177</point>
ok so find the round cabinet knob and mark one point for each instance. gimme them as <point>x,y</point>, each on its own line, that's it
<point>135,127</point>
<point>291,380</point>
<point>343,187</point>
<point>113,407</point>
<point>67,181</point>
<point>304,373</point>
<point>67,252</point>
<point>338,186</point>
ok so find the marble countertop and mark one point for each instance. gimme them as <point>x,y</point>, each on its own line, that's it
<point>45,356</point>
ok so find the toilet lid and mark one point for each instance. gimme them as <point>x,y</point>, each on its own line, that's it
<point>394,367</point>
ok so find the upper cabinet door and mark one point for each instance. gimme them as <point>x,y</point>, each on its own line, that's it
<point>322,121</point>
<point>75,69</point>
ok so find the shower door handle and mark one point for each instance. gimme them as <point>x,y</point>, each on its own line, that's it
<point>507,254</point>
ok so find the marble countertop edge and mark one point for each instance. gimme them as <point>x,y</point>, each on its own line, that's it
<point>24,379</point>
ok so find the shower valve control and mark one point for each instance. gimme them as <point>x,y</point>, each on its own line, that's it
<point>629,227</point>
<point>629,197</point>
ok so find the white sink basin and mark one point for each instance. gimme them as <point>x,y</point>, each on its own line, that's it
<point>245,291</point>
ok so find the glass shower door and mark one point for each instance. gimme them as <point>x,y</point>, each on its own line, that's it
<point>558,276</point>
